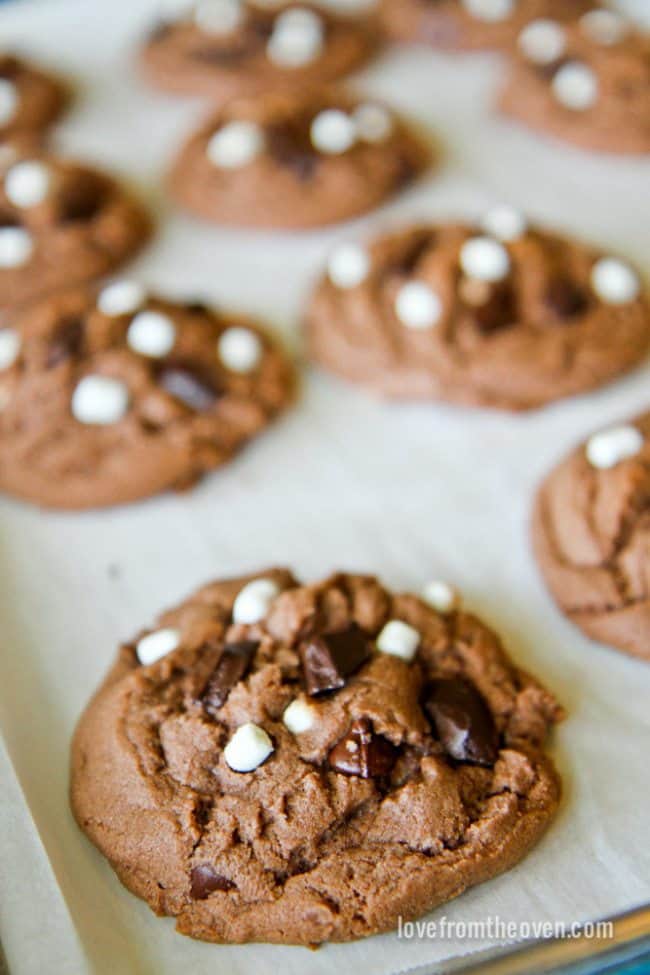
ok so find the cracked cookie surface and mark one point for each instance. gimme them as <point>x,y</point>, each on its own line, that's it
<point>30,99</point>
<point>500,314</point>
<point>591,533</point>
<point>110,396</point>
<point>304,763</point>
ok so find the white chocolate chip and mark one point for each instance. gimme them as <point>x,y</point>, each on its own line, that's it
<point>16,246</point>
<point>248,748</point>
<point>333,132</point>
<point>440,596</point>
<point>8,101</point>
<point>609,448</point>
<point>151,333</point>
<point>604,26</point>
<point>9,347</point>
<point>575,86</point>
<point>490,10</point>
<point>156,645</point>
<point>28,183</point>
<point>417,306</point>
<point>121,298</point>
<point>348,266</point>
<point>299,717</point>
<point>100,400</point>
<point>484,259</point>
<point>505,223</point>
<point>374,122</point>
<point>399,640</point>
<point>239,349</point>
<point>542,41</point>
<point>235,144</point>
<point>614,282</point>
<point>254,601</point>
<point>218,16</point>
<point>297,38</point>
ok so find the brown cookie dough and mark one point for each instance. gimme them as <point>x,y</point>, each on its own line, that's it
<point>587,83</point>
<point>296,161</point>
<point>591,533</point>
<point>111,396</point>
<point>60,223</point>
<point>498,315</point>
<point>233,48</point>
<point>30,100</point>
<point>468,25</point>
<point>300,764</point>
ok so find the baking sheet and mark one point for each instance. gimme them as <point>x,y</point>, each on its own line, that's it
<point>343,481</point>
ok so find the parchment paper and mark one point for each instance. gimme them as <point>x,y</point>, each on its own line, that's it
<point>408,492</point>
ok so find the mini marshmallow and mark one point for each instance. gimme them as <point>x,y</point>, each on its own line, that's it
<point>297,38</point>
<point>299,717</point>
<point>239,349</point>
<point>604,26</point>
<point>399,640</point>
<point>218,16</point>
<point>151,333</point>
<point>417,306</point>
<point>28,183</point>
<point>9,347</point>
<point>254,601</point>
<point>16,246</point>
<point>235,144</point>
<point>575,86</point>
<point>348,266</point>
<point>8,100</point>
<point>333,132</point>
<point>248,748</point>
<point>542,41</point>
<point>121,298</point>
<point>155,646</point>
<point>484,259</point>
<point>440,596</point>
<point>615,282</point>
<point>490,10</point>
<point>374,122</point>
<point>505,223</point>
<point>609,448</point>
<point>100,400</point>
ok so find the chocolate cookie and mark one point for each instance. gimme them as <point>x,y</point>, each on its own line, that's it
<point>112,396</point>
<point>30,100</point>
<point>296,161</point>
<point>467,25</point>
<point>591,532</point>
<point>587,82</point>
<point>60,223</point>
<point>289,763</point>
<point>500,314</point>
<point>232,48</point>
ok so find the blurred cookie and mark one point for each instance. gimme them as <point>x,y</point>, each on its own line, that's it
<point>500,314</point>
<point>586,82</point>
<point>296,161</point>
<point>467,25</point>
<point>591,533</point>
<point>30,99</point>
<point>113,396</point>
<point>232,48</point>
<point>306,763</point>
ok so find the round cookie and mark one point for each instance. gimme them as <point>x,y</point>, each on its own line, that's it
<point>233,48</point>
<point>30,100</point>
<point>469,25</point>
<point>591,534</point>
<point>60,223</point>
<point>307,763</point>
<point>500,314</point>
<point>111,396</point>
<point>296,161</point>
<point>587,82</point>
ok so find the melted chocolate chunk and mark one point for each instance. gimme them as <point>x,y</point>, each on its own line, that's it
<point>463,721</point>
<point>363,753</point>
<point>205,880</point>
<point>410,258</point>
<point>329,658</point>
<point>232,666</point>
<point>492,307</point>
<point>189,385</point>
<point>82,198</point>
<point>289,144</point>
<point>66,342</point>
<point>565,299</point>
